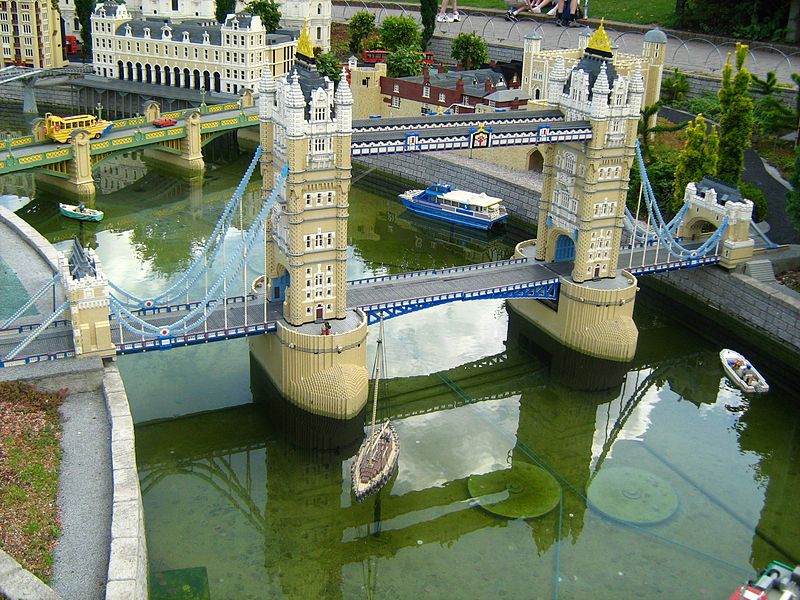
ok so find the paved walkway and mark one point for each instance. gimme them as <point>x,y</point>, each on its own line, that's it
<point>695,54</point>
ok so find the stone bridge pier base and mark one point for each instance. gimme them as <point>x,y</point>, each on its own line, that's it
<point>190,160</point>
<point>321,374</point>
<point>594,318</point>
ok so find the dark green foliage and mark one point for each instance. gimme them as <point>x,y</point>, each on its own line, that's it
<point>328,64</point>
<point>760,206</point>
<point>223,9</point>
<point>428,10</point>
<point>268,12</point>
<point>83,10</point>
<point>404,61</point>
<point>793,196</point>
<point>707,105</point>
<point>661,172</point>
<point>674,87</point>
<point>362,25</point>
<point>737,120</point>
<point>470,50</point>
<point>698,158</point>
<point>399,32</point>
<point>756,19</point>
<point>646,131</point>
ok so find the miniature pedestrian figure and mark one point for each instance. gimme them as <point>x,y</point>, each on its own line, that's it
<point>81,207</point>
<point>443,17</point>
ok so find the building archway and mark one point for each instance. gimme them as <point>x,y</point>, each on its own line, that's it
<point>535,161</point>
<point>196,78</point>
<point>148,73</point>
<point>138,71</point>
<point>157,74</point>
<point>167,76</point>
<point>207,81</point>
<point>565,249</point>
<point>187,79</point>
<point>217,82</point>
<point>121,69</point>
<point>177,77</point>
<point>130,71</point>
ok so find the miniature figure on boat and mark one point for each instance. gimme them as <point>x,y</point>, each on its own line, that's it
<point>80,212</point>
<point>742,372</point>
<point>440,201</point>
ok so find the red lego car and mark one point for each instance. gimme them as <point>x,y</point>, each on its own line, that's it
<point>164,122</point>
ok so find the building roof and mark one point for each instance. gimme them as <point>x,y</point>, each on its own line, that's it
<point>507,95</point>
<point>196,28</point>
<point>725,192</point>
<point>655,36</point>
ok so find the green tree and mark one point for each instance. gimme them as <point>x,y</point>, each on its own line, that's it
<point>362,25</point>
<point>793,195</point>
<point>698,158</point>
<point>268,11</point>
<point>399,32</point>
<point>470,50</point>
<point>736,123</point>
<point>328,64</point>
<point>83,10</point>
<point>223,9</point>
<point>760,205</point>
<point>674,87</point>
<point>661,173</point>
<point>404,62</point>
<point>647,132</point>
<point>427,11</point>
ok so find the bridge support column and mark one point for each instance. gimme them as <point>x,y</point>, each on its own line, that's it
<point>321,374</point>
<point>29,106</point>
<point>593,318</point>
<point>81,181</point>
<point>89,309</point>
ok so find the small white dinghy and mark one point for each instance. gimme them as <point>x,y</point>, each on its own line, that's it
<point>742,372</point>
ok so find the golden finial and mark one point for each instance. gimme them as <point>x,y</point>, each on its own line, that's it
<point>599,39</point>
<point>304,45</point>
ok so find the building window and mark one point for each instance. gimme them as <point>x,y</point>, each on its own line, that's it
<point>426,91</point>
<point>442,97</point>
<point>365,81</point>
<point>395,101</point>
<point>396,88</point>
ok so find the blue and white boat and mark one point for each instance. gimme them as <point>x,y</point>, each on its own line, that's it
<point>440,201</point>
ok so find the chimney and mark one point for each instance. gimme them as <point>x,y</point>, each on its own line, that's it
<point>514,81</point>
<point>488,86</point>
<point>442,68</point>
<point>426,73</point>
<point>460,88</point>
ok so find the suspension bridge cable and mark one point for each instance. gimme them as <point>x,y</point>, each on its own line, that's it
<point>206,256</point>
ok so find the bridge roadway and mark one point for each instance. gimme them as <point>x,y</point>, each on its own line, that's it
<point>390,295</point>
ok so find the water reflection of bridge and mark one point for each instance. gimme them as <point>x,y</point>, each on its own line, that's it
<point>307,507</point>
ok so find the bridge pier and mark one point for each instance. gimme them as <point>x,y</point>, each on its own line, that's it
<point>29,106</point>
<point>321,374</point>
<point>593,317</point>
<point>190,159</point>
<point>81,181</point>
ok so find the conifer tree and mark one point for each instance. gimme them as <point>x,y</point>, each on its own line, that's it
<point>428,10</point>
<point>698,158</point>
<point>793,196</point>
<point>737,120</point>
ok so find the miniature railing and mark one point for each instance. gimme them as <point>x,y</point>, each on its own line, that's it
<point>434,272</point>
<point>674,265</point>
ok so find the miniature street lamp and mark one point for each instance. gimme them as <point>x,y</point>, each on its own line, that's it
<point>202,97</point>
<point>138,123</point>
<point>99,108</point>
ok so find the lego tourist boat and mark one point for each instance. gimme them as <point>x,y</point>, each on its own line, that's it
<point>80,212</point>
<point>742,372</point>
<point>777,582</point>
<point>376,459</point>
<point>440,201</point>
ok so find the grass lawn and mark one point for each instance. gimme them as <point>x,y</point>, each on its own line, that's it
<point>30,456</point>
<point>628,11</point>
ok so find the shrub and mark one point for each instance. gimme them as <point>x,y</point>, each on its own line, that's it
<point>760,206</point>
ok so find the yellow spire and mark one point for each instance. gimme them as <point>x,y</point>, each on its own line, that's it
<point>304,45</point>
<point>599,40</point>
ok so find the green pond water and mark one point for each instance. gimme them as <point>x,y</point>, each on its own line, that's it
<point>662,479</point>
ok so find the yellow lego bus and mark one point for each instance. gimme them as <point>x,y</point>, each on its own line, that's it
<point>64,129</point>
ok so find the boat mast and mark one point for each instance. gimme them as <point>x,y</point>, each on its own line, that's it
<point>376,370</point>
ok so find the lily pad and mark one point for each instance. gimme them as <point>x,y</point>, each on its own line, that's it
<point>632,495</point>
<point>522,492</point>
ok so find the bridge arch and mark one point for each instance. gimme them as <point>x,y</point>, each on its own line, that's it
<point>560,245</point>
<point>699,225</point>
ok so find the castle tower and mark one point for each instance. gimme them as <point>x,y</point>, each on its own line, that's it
<point>316,15</point>
<point>654,52</point>
<point>306,124</point>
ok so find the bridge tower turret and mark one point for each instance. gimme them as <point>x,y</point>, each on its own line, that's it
<point>320,369</point>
